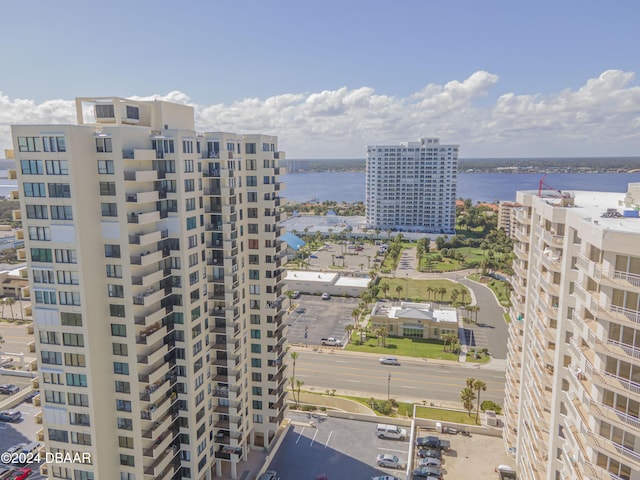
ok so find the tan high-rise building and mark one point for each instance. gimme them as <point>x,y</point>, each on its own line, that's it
<point>572,408</point>
<point>155,271</point>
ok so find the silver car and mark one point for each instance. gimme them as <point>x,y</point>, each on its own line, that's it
<point>390,461</point>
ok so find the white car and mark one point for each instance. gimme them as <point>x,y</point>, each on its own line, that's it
<point>385,477</point>
<point>389,361</point>
<point>390,461</point>
<point>430,462</point>
<point>325,296</point>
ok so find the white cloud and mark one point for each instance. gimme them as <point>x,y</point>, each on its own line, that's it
<point>600,117</point>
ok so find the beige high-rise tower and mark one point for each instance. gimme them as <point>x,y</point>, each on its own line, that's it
<point>155,269</point>
<point>572,408</point>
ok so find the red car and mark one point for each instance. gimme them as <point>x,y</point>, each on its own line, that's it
<point>22,473</point>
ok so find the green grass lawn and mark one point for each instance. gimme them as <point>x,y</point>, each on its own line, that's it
<point>453,416</point>
<point>502,291</point>
<point>407,347</point>
<point>418,290</point>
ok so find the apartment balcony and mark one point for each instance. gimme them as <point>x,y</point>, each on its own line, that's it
<point>553,261</point>
<point>522,216</point>
<point>151,318</point>
<point>21,254</point>
<point>620,384</point>
<point>150,238</point>
<point>16,215</point>
<point>143,197</point>
<point>591,268</point>
<point>143,218</point>
<point>624,314</point>
<point>157,468</point>
<point>156,373</point>
<point>519,270</point>
<point>160,446</point>
<point>156,354</point>
<point>14,195</point>
<point>146,259</point>
<point>40,435</point>
<point>149,296</point>
<point>585,327</point>
<point>151,279</point>
<point>626,455</point>
<point>612,415</point>
<point>624,279</point>
<point>521,250</point>
<point>552,240</point>
<point>160,426</point>
<point>628,353</point>
<point>547,284</point>
<point>140,175</point>
<point>158,410</point>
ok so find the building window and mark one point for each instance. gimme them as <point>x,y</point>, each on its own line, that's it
<point>133,113</point>
<point>120,349</point>
<point>105,111</point>
<point>29,144</point>
<point>37,212</point>
<point>125,442</point>
<point>57,167</point>
<point>191,223</point>
<point>127,460</point>
<point>123,387</point>
<point>66,256</point>
<point>74,360</point>
<point>108,188</point>
<point>34,189</point>
<point>125,424</point>
<point>121,368</point>
<point>71,319</point>
<point>68,277</point>
<point>116,310</point>
<point>78,399</point>
<point>69,298</point>
<point>188,164</point>
<point>76,379</point>
<point>31,167</point>
<point>73,339</point>
<point>43,276</point>
<point>49,338</point>
<point>61,212</point>
<point>45,297</point>
<point>118,330</point>
<point>104,145</point>
<point>189,185</point>
<point>51,358</point>
<point>112,251</point>
<point>105,167</point>
<point>109,209</point>
<point>59,190</point>
<point>256,348</point>
<point>56,435</point>
<point>123,405</point>
<point>252,197</point>
<point>39,233</point>
<point>114,271</point>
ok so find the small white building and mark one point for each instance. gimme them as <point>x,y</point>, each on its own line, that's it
<point>325,282</point>
<point>415,320</point>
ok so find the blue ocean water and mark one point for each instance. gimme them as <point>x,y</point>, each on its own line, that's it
<point>488,187</point>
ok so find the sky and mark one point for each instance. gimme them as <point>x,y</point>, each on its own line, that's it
<point>501,78</point>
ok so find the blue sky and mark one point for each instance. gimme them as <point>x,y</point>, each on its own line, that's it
<point>501,78</point>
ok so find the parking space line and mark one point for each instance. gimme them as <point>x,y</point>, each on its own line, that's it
<point>392,450</point>
<point>300,435</point>
<point>327,442</point>
<point>314,438</point>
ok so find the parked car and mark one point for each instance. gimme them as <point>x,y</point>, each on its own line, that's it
<point>30,396</point>
<point>331,342</point>
<point>325,296</point>
<point>427,472</point>
<point>313,256</point>
<point>385,477</point>
<point>430,462</point>
<point>10,416</point>
<point>429,453</point>
<point>269,475</point>
<point>296,294</point>
<point>6,472</point>
<point>15,449</point>
<point>359,249</point>
<point>9,389</point>
<point>22,473</point>
<point>390,431</point>
<point>339,257</point>
<point>390,461</point>
<point>433,442</point>
<point>389,361</point>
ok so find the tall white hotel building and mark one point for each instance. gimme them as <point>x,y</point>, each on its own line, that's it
<point>572,403</point>
<point>155,269</point>
<point>412,186</point>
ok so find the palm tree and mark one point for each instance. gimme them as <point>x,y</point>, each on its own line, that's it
<point>454,295</point>
<point>3,304</point>
<point>385,288</point>
<point>293,389</point>
<point>368,261</point>
<point>463,293</point>
<point>467,395</point>
<point>333,260</point>
<point>349,329</point>
<point>442,291</point>
<point>430,290</point>
<point>355,313</point>
<point>384,332</point>
<point>10,301</point>
<point>398,291</point>
<point>479,386</point>
<point>294,357</point>
<point>299,384</point>
<point>290,297</point>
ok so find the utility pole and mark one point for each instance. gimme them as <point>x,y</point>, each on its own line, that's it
<point>306,333</point>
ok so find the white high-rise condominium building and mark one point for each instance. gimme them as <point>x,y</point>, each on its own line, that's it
<point>412,186</point>
<point>155,270</point>
<point>572,407</point>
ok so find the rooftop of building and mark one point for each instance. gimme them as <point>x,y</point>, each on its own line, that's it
<point>308,276</point>
<point>345,281</point>
<point>415,311</point>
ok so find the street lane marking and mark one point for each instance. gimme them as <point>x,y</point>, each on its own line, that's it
<point>391,450</point>
<point>408,386</point>
<point>300,435</point>
<point>327,443</point>
<point>352,381</point>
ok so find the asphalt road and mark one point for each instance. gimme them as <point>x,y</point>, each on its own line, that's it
<point>414,380</point>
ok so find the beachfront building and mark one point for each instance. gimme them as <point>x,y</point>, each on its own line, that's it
<point>412,186</point>
<point>506,211</point>
<point>571,406</point>
<point>414,320</point>
<point>156,280</point>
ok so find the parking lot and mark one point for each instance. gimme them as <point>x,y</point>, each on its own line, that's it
<point>353,258</point>
<point>23,431</point>
<point>320,319</point>
<point>347,449</point>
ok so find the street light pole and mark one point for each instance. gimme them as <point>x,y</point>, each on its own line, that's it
<point>389,387</point>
